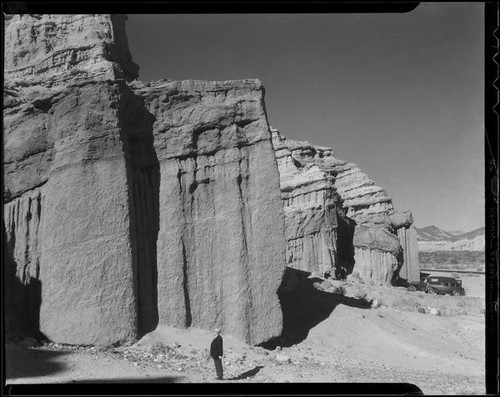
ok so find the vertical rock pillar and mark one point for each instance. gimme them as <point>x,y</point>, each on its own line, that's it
<point>221,246</point>
<point>88,280</point>
<point>410,268</point>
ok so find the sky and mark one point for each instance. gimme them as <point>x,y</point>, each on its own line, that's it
<point>400,95</point>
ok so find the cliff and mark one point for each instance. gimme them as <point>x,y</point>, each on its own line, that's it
<point>220,249</point>
<point>55,49</point>
<point>309,204</point>
<point>132,205</point>
<point>333,207</point>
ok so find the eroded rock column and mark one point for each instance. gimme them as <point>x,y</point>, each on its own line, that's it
<point>309,204</point>
<point>88,279</point>
<point>410,268</point>
<point>221,248</point>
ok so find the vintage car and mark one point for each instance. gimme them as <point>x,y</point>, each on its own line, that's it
<point>438,285</point>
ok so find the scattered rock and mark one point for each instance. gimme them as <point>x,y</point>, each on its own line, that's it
<point>282,359</point>
<point>435,312</point>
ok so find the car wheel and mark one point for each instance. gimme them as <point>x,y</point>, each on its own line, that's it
<point>430,290</point>
<point>456,293</point>
<point>412,288</point>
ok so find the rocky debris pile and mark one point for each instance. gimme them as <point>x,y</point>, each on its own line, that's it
<point>400,299</point>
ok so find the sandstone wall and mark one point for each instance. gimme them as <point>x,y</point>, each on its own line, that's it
<point>221,248</point>
<point>52,49</point>
<point>120,215</point>
<point>129,204</point>
<point>309,204</point>
<point>81,182</point>
<point>67,214</point>
<point>364,229</point>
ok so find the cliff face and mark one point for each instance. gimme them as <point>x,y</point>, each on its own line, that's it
<point>221,249</point>
<point>309,204</point>
<point>54,49</point>
<point>129,205</point>
<point>67,217</point>
<point>368,237</point>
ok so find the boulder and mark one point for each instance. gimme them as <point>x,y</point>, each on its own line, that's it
<point>283,359</point>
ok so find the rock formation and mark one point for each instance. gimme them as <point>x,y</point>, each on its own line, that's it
<point>128,205</point>
<point>333,207</point>
<point>220,245</point>
<point>309,204</point>
<point>131,204</point>
<point>56,49</point>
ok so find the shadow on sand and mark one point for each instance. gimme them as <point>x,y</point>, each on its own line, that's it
<point>24,362</point>
<point>304,307</point>
<point>162,379</point>
<point>247,374</point>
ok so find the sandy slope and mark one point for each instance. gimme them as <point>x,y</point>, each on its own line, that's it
<point>352,343</point>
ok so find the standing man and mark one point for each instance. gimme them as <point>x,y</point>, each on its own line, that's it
<point>216,352</point>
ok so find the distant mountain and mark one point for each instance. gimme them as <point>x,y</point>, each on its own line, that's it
<point>471,235</point>
<point>434,233</point>
<point>432,238</point>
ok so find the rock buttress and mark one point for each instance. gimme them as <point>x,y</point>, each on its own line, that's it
<point>309,204</point>
<point>221,246</point>
<point>366,226</point>
<point>76,170</point>
<point>410,267</point>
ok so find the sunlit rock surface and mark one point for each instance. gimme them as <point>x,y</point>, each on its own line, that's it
<point>129,205</point>
<point>336,217</point>
<point>221,248</point>
<point>309,204</point>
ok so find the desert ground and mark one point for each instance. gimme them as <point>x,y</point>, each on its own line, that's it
<point>334,332</point>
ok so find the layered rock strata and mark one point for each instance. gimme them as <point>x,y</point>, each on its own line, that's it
<point>126,206</point>
<point>54,49</point>
<point>309,204</point>
<point>372,241</point>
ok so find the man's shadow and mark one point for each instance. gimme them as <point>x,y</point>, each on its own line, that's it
<point>248,374</point>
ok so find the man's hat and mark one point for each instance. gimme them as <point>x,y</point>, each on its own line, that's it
<point>217,330</point>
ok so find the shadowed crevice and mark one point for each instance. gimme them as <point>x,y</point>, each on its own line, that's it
<point>185,288</point>
<point>22,298</point>
<point>143,174</point>
<point>345,246</point>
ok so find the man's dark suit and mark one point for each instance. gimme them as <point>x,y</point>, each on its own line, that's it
<point>216,353</point>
